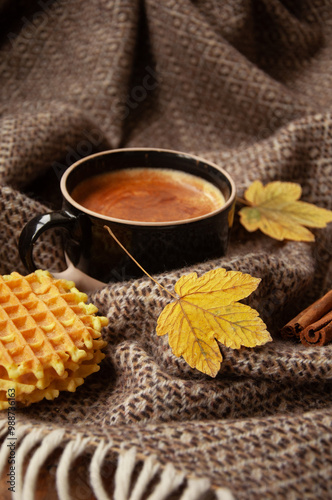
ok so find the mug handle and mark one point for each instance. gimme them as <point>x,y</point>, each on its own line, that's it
<point>63,220</point>
<point>35,227</point>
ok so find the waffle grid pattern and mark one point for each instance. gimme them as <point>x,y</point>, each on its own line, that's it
<point>50,339</point>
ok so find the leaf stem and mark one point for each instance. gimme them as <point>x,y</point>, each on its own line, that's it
<point>134,260</point>
<point>243,201</point>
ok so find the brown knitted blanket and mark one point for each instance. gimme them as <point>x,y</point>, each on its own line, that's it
<point>246,84</point>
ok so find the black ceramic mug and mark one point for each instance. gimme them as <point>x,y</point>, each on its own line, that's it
<point>158,246</point>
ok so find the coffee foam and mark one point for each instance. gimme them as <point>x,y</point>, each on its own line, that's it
<point>149,194</point>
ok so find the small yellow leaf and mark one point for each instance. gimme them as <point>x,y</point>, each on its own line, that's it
<point>275,209</point>
<point>205,312</point>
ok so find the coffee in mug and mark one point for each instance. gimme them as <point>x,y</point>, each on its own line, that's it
<point>149,195</point>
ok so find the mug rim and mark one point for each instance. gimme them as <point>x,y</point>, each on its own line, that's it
<point>107,218</point>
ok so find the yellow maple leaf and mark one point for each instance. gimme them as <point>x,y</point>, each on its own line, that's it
<point>275,209</point>
<point>206,311</point>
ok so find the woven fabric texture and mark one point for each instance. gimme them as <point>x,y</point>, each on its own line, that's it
<point>246,84</point>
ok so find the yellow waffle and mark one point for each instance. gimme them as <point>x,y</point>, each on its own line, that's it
<point>50,339</point>
<point>73,380</point>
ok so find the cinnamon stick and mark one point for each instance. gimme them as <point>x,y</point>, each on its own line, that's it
<point>319,333</point>
<point>308,316</point>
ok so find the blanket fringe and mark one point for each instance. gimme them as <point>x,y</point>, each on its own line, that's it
<point>96,480</point>
<point>169,482</point>
<point>48,445</point>
<point>72,450</point>
<point>133,479</point>
<point>4,451</point>
<point>28,443</point>
<point>149,471</point>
